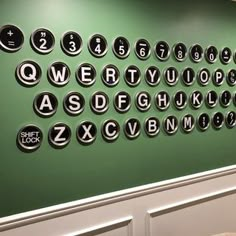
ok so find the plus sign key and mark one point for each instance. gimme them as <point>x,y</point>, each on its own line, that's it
<point>11,38</point>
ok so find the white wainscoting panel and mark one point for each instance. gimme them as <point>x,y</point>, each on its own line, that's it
<point>121,227</point>
<point>202,204</point>
<point>203,216</point>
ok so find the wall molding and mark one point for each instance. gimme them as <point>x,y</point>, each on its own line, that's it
<point>185,204</point>
<point>109,226</point>
<point>47,213</point>
<point>192,202</point>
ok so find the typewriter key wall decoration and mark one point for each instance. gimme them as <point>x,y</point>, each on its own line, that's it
<point>104,95</point>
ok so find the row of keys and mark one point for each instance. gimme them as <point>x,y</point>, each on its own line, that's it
<point>42,41</point>
<point>29,73</point>
<point>45,104</point>
<point>30,137</point>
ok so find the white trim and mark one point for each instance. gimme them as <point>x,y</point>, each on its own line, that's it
<point>188,203</point>
<point>29,217</point>
<point>127,221</point>
<point>185,204</point>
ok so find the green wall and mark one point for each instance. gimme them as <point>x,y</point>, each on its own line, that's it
<point>51,176</point>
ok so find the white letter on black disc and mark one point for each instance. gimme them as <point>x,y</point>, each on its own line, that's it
<point>203,121</point>
<point>86,74</point>
<point>218,77</point>
<point>234,98</point>
<point>74,103</point>
<point>162,51</point>
<point>110,75</point>
<point>58,74</point>
<point>180,100</point>
<point>110,130</point>
<point>132,128</point>
<point>180,51</point>
<point>152,126</point>
<point>121,47</point>
<point>11,38</point>
<point>225,98</point>
<point>86,132</point>
<point>122,102</point>
<point>99,102</point>
<point>211,54</point>
<point>188,76</point>
<point>59,135</point>
<point>217,120</point>
<point>171,76</point>
<point>204,76</point>
<point>71,43</point>
<point>170,125</point>
<point>196,99</point>
<point>230,119</point>
<point>196,53</point>
<point>225,55</point>
<point>97,45</point>
<point>143,101</point>
<point>187,123</point>
<point>28,73</point>
<point>152,76</point>
<point>29,138</point>
<point>132,76</point>
<point>162,100</point>
<point>45,104</point>
<point>42,41</point>
<point>142,49</point>
<point>211,99</point>
<point>231,77</point>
